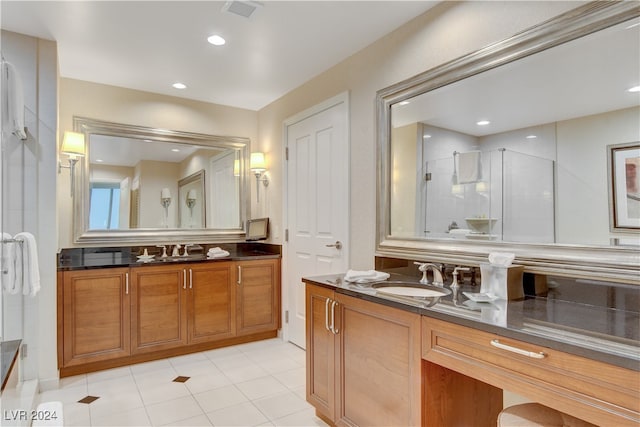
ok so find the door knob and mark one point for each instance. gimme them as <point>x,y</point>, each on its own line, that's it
<point>337,245</point>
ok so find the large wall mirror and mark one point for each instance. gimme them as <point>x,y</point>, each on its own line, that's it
<point>508,148</point>
<point>140,184</point>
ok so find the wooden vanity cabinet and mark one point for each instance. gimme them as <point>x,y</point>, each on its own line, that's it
<point>258,295</point>
<point>211,296</point>
<point>597,392</point>
<point>95,315</point>
<point>321,350</point>
<point>363,361</point>
<point>117,316</point>
<point>158,307</point>
<point>182,304</point>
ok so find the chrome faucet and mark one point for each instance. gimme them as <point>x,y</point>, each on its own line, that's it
<point>437,274</point>
<point>455,284</point>
<point>186,245</point>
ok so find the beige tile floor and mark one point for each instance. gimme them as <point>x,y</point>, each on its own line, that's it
<point>255,384</point>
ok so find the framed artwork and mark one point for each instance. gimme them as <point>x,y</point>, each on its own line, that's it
<point>624,187</point>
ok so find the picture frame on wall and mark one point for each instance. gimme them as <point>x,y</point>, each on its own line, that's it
<point>624,187</point>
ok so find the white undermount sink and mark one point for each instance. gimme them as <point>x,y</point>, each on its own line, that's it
<point>413,291</point>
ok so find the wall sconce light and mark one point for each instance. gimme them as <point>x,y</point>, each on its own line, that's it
<point>191,202</point>
<point>165,201</point>
<point>258,166</point>
<point>191,198</point>
<point>73,146</point>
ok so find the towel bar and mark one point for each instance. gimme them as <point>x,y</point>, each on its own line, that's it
<point>19,241</point>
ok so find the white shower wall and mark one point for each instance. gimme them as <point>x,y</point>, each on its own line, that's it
<point>28,189</point>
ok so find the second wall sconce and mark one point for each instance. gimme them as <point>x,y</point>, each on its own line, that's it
<point>258,167</point>
<point>74,147</point>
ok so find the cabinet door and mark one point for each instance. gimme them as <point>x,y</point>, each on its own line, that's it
<point>95,315</point>
<point>320,351</point>
<point>258,296</point>
<point>158,307</point>
<point>212,297</point>
<point>378,364</point>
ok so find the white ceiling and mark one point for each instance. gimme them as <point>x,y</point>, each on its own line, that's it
<point>149,45</point>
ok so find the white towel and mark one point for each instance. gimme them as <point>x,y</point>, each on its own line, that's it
<point>12,101</point>
<point>8,265</point>
<point>469,167</point>
<point>29,263</point>
<point>366,276</point>
<point>217,253</point>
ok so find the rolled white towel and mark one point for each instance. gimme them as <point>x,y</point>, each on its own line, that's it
<point>30,267</point>
<point>217,253</point>
<point>365,276</point>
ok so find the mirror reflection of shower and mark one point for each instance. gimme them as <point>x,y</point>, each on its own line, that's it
<point>498,195</point>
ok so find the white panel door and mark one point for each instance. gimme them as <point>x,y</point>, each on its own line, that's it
<point>223,210</point>
<point>317,204</point>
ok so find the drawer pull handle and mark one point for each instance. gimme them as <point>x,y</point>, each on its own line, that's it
<point>498,344</point>
<point>126,276</point>
<point>326,314</point>
<point>333,318</point>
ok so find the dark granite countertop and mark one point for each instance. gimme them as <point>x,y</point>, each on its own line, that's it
<point>606,328</point>
<point>111,257</point>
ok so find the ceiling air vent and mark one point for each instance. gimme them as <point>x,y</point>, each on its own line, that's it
<point>242,8</point>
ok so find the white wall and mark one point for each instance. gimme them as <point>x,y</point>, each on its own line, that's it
<point>153,177</point>
<point>447,31</point>
<point>582,199</point>
<point>403,181</point>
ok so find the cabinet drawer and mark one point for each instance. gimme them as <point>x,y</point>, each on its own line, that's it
<point>595,391</point>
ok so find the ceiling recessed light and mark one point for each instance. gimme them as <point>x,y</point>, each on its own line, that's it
<point>99,160</point>
<point>179,85</point>
<point>216,40</point>
<point>531,136</point>
<point>175,150</point>
<point>483,122</point>
<point>634,89</point>
<point>427,136</point>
